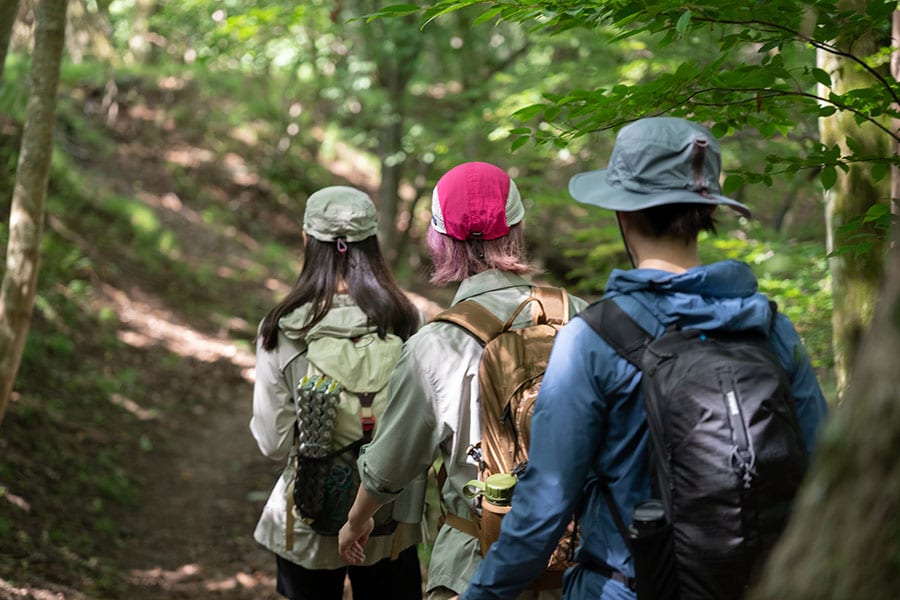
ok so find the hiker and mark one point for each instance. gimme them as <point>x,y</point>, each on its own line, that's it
<point>345,319</point>
<point>590,430</point>
<point>475,238</point>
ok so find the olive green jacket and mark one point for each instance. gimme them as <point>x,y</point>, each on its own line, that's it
<point>433,411</point>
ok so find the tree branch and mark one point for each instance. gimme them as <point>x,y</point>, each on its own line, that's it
<point>775,27</point>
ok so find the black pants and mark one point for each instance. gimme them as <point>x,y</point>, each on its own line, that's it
<point>387,579</point>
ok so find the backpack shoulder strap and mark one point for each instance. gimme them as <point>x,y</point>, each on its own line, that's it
<point>618,328</point>
<point>474,318</point>
<point>554,302</point>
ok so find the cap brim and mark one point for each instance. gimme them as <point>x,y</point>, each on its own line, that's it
<point>591,187</point>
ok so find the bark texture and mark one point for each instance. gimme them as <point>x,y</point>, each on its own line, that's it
<point>26,218</point>
<point>855,277</point>
<point>895,73</point>
<point>843,541</point>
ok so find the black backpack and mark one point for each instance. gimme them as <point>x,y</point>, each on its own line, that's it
<point>727,455</point>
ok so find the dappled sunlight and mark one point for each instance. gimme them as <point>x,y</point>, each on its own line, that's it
<point>189,156</point>
<point>133,407</point>
<point>145,325</point>
<point>142,112</point>
<point>9,591</point>
<point>17,501</point>
<point>240,171</point>
<point>190,576</point>
<point>347,162</point>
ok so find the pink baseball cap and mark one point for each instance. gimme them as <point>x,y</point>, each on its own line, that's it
<point>475,199</point>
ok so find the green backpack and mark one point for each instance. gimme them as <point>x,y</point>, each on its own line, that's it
<point>338,402</point>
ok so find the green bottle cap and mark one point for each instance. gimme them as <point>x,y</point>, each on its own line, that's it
<point>498,488</point>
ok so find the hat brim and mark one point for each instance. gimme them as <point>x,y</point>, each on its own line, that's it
<point>591,187</point>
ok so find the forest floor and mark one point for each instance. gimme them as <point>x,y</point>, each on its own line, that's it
<point>183,432</point>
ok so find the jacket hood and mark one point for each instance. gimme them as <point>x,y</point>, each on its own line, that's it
<point>685,298</point>
<point>344,319</point>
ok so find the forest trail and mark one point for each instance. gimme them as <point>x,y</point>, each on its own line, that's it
<point>185,346</point>
<point>191,537</point>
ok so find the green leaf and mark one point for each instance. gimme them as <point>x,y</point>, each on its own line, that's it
<point>487,16</point>
<point>875,212</point>
<point>821,76</point>
<point>518,143</point>
<point>828,177</point>
<point>732,184</point>
<point>528,112</point>
<point>879,170</point>
<point>853,145</point>
<point>683,21</point>
<point>395,10</point>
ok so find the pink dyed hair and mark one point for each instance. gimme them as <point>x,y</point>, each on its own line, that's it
<point>454,260</point>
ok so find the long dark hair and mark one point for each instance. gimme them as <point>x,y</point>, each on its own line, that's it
<point>369,283</point>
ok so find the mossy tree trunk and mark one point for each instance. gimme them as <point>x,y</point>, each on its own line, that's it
<point>26,216</point>
<point>855,276</point>
<point>895,72</point>
<point>843,542</point>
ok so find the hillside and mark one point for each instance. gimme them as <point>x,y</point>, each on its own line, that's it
<point>126,466</point>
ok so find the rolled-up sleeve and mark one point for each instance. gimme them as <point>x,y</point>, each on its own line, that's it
<point>272,423</point>
<point>406,437</point>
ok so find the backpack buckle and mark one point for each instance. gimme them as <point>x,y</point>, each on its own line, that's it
<point>368,426</point>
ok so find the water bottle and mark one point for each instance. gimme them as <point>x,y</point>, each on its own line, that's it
<point>647,518</point>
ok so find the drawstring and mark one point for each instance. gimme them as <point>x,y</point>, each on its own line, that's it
<point>625,241</point>
<point>341,245</point>
<point>697,164</point>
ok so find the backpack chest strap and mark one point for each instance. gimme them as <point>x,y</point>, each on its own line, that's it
<point>366,415</point>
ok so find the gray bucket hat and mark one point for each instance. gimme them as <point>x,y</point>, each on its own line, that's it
<point>339,211</point>
<point>656,161</point>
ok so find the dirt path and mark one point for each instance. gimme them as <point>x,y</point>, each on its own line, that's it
<point>204,482</point>
<point>204,488</point>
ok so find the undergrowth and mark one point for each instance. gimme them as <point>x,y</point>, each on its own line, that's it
<point>122,214</point>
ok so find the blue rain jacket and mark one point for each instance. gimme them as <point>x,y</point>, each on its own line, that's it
<point>589,423</point>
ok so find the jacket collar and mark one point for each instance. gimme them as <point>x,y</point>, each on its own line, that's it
<point>488,281</point>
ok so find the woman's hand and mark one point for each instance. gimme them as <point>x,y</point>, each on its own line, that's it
<point>352,540</point>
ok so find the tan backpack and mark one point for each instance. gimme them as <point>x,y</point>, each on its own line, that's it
<point>509,378</point>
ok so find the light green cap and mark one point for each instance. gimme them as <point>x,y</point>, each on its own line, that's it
<point>339,211</point>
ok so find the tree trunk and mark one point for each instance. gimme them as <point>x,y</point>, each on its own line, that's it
<point>8,11</point>
<point>394,45</point>
<point>390,149</point>
<point>855,278</point>
<point>895,71</point>
<point>26,217</point>
<point>142,43</point>
<point>843,542</point>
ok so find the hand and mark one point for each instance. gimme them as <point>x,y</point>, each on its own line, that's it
<point>352,540</point>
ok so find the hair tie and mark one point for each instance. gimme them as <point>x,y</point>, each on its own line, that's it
<point>341,245</point>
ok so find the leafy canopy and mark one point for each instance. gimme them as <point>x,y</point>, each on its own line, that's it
<point>761,73</point>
